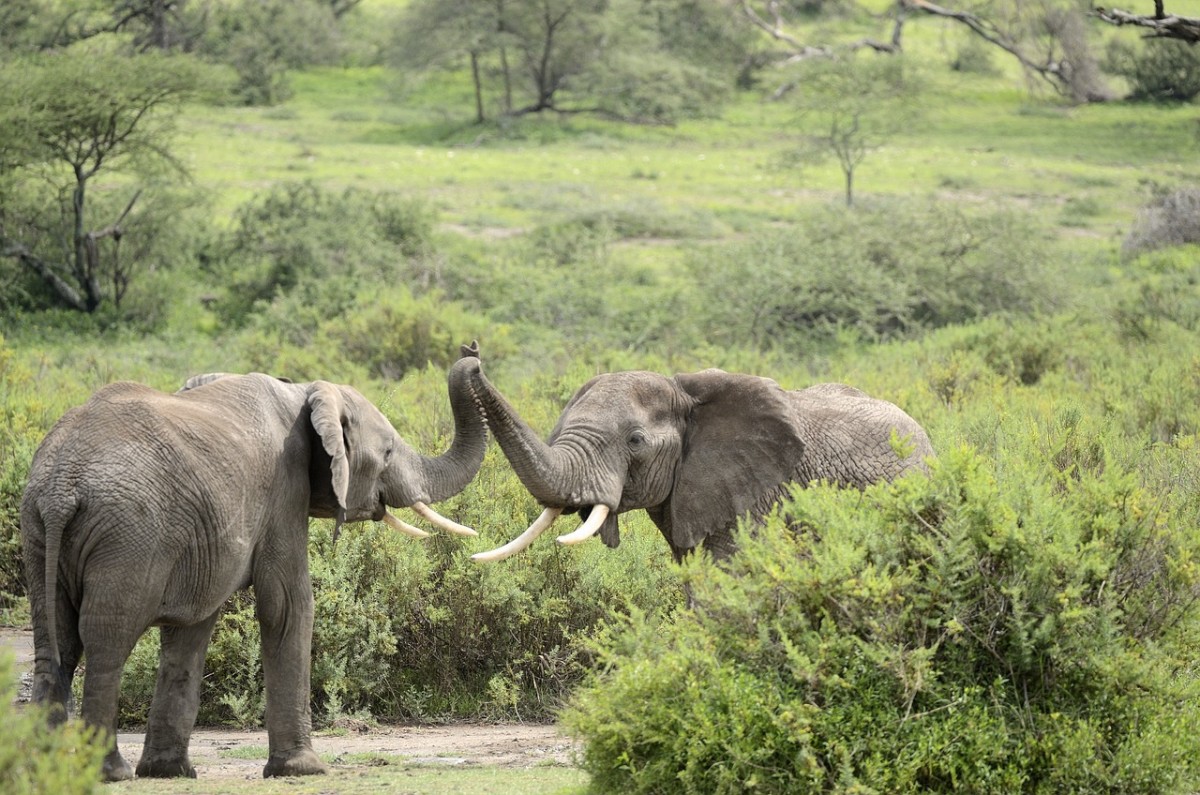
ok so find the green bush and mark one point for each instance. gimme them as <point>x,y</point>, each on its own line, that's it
<point>940,634</point>
<point>888,271</point>
<point>35,759</point>
<point>1157,71</point>
<point>301,253</point>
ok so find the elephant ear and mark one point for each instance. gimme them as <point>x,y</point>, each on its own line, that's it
<point>328,416</point>
<point>741,445</point>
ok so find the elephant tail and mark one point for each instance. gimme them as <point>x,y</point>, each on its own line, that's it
<point>53,525</point>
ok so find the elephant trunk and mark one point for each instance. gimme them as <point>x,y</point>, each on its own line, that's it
<point>449,473</point>
<point>540,467</point>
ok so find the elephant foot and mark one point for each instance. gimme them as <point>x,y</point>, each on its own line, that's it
<point>299,762</point>
<point>115,767</point>
<point>165,765</point>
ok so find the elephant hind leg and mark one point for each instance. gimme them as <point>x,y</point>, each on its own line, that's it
<point>176,701</point>
<point>106,644</point>
<point>51,680</point>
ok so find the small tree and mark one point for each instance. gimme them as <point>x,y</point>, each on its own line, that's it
<point>68,116</point>
<point>852,105</point>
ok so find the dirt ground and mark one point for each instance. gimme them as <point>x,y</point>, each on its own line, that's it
<point>504,745</point>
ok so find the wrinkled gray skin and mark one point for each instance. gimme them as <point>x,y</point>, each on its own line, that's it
<point>150,509</point>
<point>700,450</point>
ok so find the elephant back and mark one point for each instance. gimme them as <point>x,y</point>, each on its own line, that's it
<point>852,439</point>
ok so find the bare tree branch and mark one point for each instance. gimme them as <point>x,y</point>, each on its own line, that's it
<point>1160,25</point>
<point>1049,69</point>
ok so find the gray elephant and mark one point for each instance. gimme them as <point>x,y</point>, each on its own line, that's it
<point>149,509</point>
<point>696,451</point>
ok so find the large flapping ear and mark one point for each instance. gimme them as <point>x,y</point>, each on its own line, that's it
<point>742,443</point>
<point>327,408</point>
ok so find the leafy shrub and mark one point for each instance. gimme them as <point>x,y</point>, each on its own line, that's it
<point>948,633</point>
<point>1169,219</point>
<point>35,759</point>
<point>329,247</point>
<point>1162,70</point>
<point>885,272</point>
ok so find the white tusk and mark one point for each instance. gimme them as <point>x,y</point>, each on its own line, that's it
<point>436,519</point>
<point>589,528</point>
<point>403,527</point>
<point>538,527</point>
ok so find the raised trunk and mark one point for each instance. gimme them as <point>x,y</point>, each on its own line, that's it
<point>449,473</point>
<point>539,466</point>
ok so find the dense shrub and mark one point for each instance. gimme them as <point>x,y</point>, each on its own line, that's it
<point>943,634</point>
<point>326,248</point>
<point>1169,219</point>
<point>1156,70</point>
<point>881,272</point>
<point>35,759</point>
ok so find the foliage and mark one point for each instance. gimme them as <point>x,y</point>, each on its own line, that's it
<point>1156,70</point>
<point>1168,219</point>
<point>261,41</point>
<point>887,271</point>
<point>69,116</point>
<point>950,633</point>
<point>35,758</point>
<point>628,60</point>
<point>324,246</point>
<point>850,107</point>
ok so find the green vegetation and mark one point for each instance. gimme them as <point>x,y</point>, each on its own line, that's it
<point>1019,273</point>
<point>35,759</point>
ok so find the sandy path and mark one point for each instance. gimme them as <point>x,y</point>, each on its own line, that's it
<point>507,744</point>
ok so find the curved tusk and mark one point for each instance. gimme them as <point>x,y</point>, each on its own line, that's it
<point>589,528</point>
<point>538,527</point>
<point>436,519</point>
<point>403,527</point>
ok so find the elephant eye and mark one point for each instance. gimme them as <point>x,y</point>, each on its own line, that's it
<point>637,439</point>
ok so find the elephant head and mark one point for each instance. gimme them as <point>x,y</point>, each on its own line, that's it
<point>696,451</point>
<point>360,465</point>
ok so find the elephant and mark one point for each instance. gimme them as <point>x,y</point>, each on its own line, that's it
<point>145,508</point>
<point>697,451</point>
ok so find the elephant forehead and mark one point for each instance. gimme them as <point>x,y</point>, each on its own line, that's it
<point>636,396</point>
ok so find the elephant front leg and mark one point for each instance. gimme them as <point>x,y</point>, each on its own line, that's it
<point>285,612</point>
<point>176,701</point>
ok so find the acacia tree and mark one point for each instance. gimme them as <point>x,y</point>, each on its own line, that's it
<point>67,117</point>
<point>641,60</point>
<point>848,108</point>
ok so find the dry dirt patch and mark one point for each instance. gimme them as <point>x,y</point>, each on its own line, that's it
<point>225,753</point>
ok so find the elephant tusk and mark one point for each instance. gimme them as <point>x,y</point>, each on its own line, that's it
<point>436,519</point>
<point>403,527</point>
<point>589,528</point>
<point>538,527</point>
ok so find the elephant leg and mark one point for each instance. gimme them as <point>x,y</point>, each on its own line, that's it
<point>176,701</point>
<point>107,643</point>
<point>285,613</point>
<point>52,681</point>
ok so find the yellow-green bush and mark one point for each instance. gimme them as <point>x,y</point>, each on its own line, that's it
<point>35,759</point>
<point>942,634</point>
